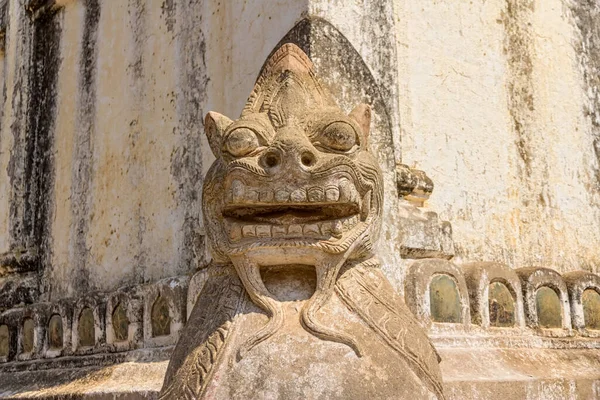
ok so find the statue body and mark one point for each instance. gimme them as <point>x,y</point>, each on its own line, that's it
<point>295,305</point>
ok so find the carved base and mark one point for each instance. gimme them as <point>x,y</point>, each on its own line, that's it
<point>395,359</point>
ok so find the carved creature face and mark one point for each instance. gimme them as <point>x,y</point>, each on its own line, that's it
<point>293,176</point>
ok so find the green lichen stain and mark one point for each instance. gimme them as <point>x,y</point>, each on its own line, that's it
<point>86,328</point>
<point>55,332</point>
<point>120,323</point>
<point>444,300</point>
<point>28,328</point>
<point>161,318</point>
<point>549,309</point>
<point>502,306</point>
<point>4,341</point>
<point>591,308</point>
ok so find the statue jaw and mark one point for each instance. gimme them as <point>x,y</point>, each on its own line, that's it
<point>294,223</point>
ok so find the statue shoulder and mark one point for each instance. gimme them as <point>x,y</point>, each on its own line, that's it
<point>220,296</point>
<point>368,293</point>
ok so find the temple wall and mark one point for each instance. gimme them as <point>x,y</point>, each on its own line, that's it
<point>103,156</point>
<point>494,100</point>
<point>495,109</point>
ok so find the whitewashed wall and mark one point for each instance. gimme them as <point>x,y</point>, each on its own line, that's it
<point>490,98</point>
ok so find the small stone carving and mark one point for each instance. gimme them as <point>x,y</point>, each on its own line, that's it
<point>294,305</point>
<point>120,323</point>
<point>28,336</point>
<point>4,341</point>
<point>161,318</point>
<point>444,299</point>
<point>86,328</point>
<point>55,332</point>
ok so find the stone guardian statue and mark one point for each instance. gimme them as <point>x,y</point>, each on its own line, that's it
<point>295,305</point>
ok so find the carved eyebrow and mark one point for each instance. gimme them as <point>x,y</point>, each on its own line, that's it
<point>264,131</point>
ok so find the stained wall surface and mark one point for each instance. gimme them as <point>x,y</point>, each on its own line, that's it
<point>499,105</point>
<point>102,153</point>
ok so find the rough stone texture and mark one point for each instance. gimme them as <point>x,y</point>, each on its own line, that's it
<point>131,379</point>
<point>102,161</point>
<point>498,100</point>
<point>292,206</point>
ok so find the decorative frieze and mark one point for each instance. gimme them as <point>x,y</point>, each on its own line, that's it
<point>99,323</point>
<point>522,302</point>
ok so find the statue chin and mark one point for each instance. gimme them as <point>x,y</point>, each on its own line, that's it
<point>297,307</point>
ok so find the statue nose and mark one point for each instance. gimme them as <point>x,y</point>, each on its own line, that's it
<point>303,158</point>
<point>307,158</point>
<point>271,159</point>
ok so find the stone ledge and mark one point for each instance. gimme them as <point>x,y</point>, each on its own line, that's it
<point>88,361</point>
<point>129,380</point>
<point>549,374</point>
<point>512,339</point>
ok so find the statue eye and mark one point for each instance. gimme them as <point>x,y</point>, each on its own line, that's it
<point>240,142</point>
<point>338,136</point>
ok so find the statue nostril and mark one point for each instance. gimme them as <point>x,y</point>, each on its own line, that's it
<point>307,159</point>
<point>271,160</point>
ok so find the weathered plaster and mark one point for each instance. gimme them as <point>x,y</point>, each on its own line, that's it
<point>491,102</point>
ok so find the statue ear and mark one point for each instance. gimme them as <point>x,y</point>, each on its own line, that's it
<point>214,126</point>
<point>362,115</point>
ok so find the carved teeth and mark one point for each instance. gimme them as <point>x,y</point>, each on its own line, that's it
<point>298,196</point>
<point>252,196</point>
<point>345,192</point>
<point>263,231</point>
<point>295,230</point>
<point>315,194</point>
<point>266,196</point>
<point>311,230</point>
<point>235,233</point>
<point>282,196</point>
<point>279,230</point>
<point>345,188</point>
<point>323,230</point>
<point>332,194</point>
<point>249,231</point>
<point>326,228</point>
<point>348,192</point>
<point>237,189</point>
<point>336,229</point>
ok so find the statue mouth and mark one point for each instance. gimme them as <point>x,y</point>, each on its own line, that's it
<point>315,213</point>
<point>291,222</point>
<point>290,214</point>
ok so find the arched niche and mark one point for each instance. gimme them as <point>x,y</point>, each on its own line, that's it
<point>120,323</point>
<point>86,328</point>
<point>444,299</point>
<point>548,307</point>
<point>4,341</point>
<point>55,332</point>
<point>591,308</point>
<point>28,336</point>
<point>546,300</point>
<point>584,296</point>
<point>496,295</point>
<point>435,290</point>
<point>501,305</point>
<point>161,317</point>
